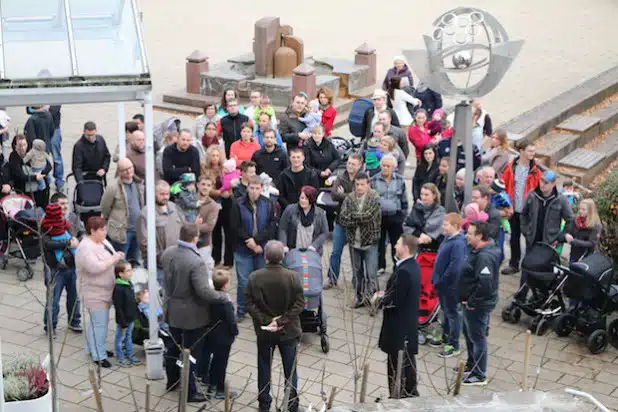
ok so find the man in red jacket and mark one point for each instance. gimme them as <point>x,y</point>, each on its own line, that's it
<point>521,176</point>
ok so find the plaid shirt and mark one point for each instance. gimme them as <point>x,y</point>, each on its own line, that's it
<point>368,218</point>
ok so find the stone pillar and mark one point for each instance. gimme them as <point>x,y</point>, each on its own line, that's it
<point>366,56</point>
<point>196,64</point>
<point>304,80</point>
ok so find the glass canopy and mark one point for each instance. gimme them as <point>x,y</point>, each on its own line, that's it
<point>70,39</point>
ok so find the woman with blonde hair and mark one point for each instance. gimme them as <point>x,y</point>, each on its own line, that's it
<point>584,232</point>
<point>212,167</point>
<point>498,155</point>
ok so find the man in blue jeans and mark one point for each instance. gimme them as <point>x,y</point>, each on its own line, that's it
<point>254,220</point>
<point>344,184</point>
<point>56,148</point>
<point>274,298</point>
<point>478,294</point>
<point>452,255</point>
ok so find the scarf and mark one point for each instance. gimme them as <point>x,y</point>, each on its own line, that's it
<point>580,222</point>
<point>306,219</point>
<point>324,107</point>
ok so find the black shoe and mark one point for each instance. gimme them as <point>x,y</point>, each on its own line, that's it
<point>509,270</point>
<point>110,354</point>
<point>197,398</point>
<point>263,408</point>
<point>467,369</point>
<point>104,363</point>
<point>359,304</point>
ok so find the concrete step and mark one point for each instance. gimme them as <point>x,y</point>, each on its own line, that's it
<point>178,109</point>
<point>584,165</point>
<point>188,99</point>
<point>554,146</point>
<point>608,116</point>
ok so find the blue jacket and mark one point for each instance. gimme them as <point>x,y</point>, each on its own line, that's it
<point>260,138</point>
<point>242,222</point>
<point>452,255</point>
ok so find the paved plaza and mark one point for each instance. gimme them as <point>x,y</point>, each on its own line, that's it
<point>565,44</point>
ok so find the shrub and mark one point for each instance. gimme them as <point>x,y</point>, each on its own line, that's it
<point>606,199</point>
<point>24,378</point>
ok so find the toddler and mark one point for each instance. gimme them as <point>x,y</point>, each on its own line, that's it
<point>388,146</point>
<point>568,189</point>
<point>186,196</point>
<point>268,190</point>
<point>126,313</point>
<point>218,342</point>
<point>373,155</point>
<point>500,199</point>
<point>265,107</point>
<point>38,158</point>
<point>230,173</point>
<point>143,305</point>
<point>313,117</point>
<point>472,213</point>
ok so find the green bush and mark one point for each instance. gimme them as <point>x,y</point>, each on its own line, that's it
<point>606,198</point>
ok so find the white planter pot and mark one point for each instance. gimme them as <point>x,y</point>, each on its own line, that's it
<point>42,404</point>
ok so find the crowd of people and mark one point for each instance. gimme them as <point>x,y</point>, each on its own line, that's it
<point>240,189</point>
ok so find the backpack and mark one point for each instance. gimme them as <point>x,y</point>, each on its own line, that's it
<point>357,114</point>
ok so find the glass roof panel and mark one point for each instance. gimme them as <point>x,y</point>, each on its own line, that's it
<point>101,39</point>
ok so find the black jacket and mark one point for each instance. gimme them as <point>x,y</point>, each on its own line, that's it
<point>40,125</point>
<point>50,247</point>
<point>431,100</point>
<point>400,303</point>
<point>585,240</point>
<point>56,115</point>
<point>289,128</point>
<point>479,278</point>
<point>222,329</point>
<point>423,175</point>
<point>175,163</point>
<point>444,150</point>
<point>90,157</point>
<point>367,130</point>
<point>16,175</point>
<point>230,126</point>
<point>289,191</point>
<point>125,303</point>
<point>322,157</point>
<point>272,163</point>
<point>493,221</point>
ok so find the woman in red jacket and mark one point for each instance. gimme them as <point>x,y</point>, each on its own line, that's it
<point>418,133</point>
<point>325,97</point>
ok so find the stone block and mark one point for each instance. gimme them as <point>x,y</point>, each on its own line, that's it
<point>265,43</point>
<point>304,80</point>
<point>246,58</point>
<point>586,127</point>
<point>214,82</point>
<point>286,30</point>
<point>296,44</point>
<point>554,146</point>
<point>197,63</point>
<point>353,77</point>
<point>608,116</point>
<point>582,159</point>
<point>366,56</point>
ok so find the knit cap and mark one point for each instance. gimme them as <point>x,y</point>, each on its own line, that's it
<point>497,186</point>
<point>54,222</point>
<point>187,178</point>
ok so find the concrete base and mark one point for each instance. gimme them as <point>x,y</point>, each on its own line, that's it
<point>279,89</point>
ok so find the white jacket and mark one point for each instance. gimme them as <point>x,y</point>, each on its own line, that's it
<point>400,106</point>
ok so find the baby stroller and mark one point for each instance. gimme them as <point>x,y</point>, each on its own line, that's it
<point>141,329</point>
<point>87,195</point>
<point>545,285</point>
<point>21,219</point>
<point>345,147</point>
<point>590,286</point>
<point>429,304</point>
<point>308,265</point>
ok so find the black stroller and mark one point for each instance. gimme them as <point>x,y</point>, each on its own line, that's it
<point>308,265</point>
<point>590,286</point>
<point>545,284</point>
<point>87,195</point>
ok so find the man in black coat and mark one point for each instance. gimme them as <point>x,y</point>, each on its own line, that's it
<point>230,125</point>
<point>181,158</point>
<point>270,159</point>
<point>291,127</point>
<point>294,177</point>
<point>40,125</point>
<point>371,115</point>
<point>90,154</point>
<point>399,330</point>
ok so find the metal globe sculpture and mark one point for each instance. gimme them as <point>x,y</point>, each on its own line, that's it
<point>467,53</point>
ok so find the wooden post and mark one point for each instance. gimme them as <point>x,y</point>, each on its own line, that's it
<point>397,391</point>
<point>460,373</point>
<point>527,347</point>
<point>363,391</point>
<point>184,380</point>
<point>331,397</point>
<point>95,390</point>
<point>228,405</point>
<point>147,397</point>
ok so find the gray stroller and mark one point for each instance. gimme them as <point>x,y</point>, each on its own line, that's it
<point>308,265</point>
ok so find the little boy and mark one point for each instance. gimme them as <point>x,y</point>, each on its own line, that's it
<point>218,342</point>
<point>186,196</point>
<point>568,189</point>
<point>373,155</point>
<point>126,313</point>
<point>452,255</point>
<point>500,199</point>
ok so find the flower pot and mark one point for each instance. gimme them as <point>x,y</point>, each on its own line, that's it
<point>42,404</point>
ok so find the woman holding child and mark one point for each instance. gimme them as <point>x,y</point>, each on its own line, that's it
<point>23,178</point>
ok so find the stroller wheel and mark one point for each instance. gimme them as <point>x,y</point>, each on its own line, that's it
<point>564,325</point>
<point>511,314</point>
<point>597,341</point>
<point>612,331</point>
<point>324,344</point>
<point>23,274</point>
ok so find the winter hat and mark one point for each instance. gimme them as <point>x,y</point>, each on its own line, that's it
<point>434,127</point>
<point>54,223</point>
<point>187,178</point>
<point>39,145</point>
<point>378,94</point>
<point>497,186</point>
<point>472,212</point>
<point>437,113</point>
<point>373,142</point>
<point>550,176</point>
<point>229,165</point>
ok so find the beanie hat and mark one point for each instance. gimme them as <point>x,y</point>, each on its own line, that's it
<point>187,178</point>
<point>497,186</point>
<point>53,222</point>
<point>229,165</point>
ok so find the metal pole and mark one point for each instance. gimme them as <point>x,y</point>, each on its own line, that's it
<point>140,36</point>
<point>122,141</point>
<point>465,134</point>
<point>154,345</point>
<point>2,73</point>
<point>462,126</point>
<point>72,52</point>
<point>184,380</point>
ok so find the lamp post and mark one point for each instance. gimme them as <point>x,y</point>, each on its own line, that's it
<point>466,56</point>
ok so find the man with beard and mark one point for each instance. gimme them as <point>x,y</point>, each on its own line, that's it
<point>136,153</point>
<point>181,158</point>
<point>270,159</point>
<point>291,127</point>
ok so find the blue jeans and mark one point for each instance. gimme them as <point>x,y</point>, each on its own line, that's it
<point>451,328</point>
<point>63,279</point>
<point>501,244</point>
<point>339,241</point>
<point>475,327</point>
<point>245,264</point>
<point>287,350</point>
<point>56,151</point>
<point>123,343</point>
<point>130,247</point>
<point>364,272</point>
<point>96,334</point>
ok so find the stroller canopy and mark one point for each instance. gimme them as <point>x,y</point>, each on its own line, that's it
<point>597,267</point>
<point>540,259</point>
<point>308,265</point>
